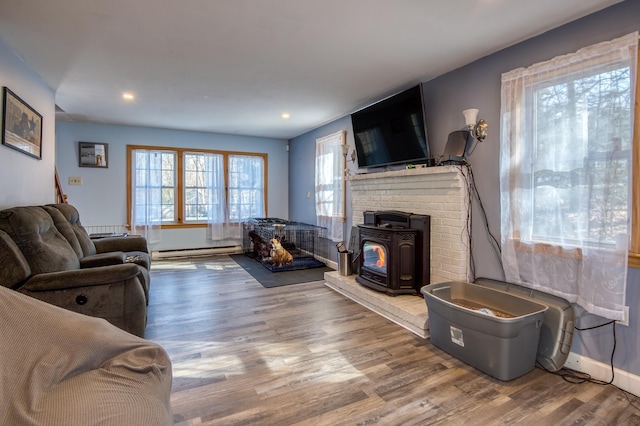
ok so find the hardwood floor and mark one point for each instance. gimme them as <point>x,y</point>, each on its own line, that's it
<point>306,355</point>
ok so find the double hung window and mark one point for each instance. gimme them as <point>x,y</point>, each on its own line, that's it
<point>177,187</point>
<point>566,174</point>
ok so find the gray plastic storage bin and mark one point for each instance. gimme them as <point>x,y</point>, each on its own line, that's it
<point>463,322</point>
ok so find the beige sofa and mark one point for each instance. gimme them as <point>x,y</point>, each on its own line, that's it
<point>58,367</point>
<point>46,254</point>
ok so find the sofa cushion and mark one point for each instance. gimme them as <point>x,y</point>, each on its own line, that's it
<point>34,233</point>
<point>15,268</point>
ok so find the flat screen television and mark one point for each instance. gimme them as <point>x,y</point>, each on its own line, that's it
<point>392,131</point>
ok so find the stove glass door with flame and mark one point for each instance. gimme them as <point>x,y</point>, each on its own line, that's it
<point>375,257</point>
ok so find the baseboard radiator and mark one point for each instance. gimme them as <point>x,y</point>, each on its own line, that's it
<point>193,252</point>
<point>106,229</point>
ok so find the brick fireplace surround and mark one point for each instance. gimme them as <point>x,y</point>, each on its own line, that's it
<point>441,192</point>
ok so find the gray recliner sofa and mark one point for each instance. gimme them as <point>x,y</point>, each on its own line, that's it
<point>40,260</point>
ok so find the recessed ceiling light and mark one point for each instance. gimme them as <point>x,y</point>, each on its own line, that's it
<point>128,96</point>
<point>286,115</point>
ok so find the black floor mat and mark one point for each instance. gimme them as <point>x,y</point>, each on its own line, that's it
<point>313,271</point>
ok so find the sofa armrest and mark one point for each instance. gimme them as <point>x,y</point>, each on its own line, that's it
<point>103,259</point>
<point>128,243</point>
<point>70,369</point>
<point>90,277</point>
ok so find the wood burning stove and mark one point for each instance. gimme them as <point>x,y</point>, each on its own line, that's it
<point>394,252</point>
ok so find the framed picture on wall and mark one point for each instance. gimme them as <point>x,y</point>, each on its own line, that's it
<point>92,154</point>
<point>21,125</point>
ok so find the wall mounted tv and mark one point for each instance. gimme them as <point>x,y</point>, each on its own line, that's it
<point>392,131</point>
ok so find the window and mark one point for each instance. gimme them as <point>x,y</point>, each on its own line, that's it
<point>330,184</point>
<point>186,187</point>
<point>202,174</point>
<point>246,187</point>
<point>566,174</point>
<point>581,185</point>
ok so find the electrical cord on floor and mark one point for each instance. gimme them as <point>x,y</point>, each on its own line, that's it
<point>577,377</point>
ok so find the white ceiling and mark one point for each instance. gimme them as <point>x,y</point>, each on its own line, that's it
<point>234,66</point>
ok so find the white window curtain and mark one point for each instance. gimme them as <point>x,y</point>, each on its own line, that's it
<point>245,198</point>
<point>246,187</point>
<point>330,184</point>
<point>565,174</point>
<point>146,214</point>
<point>216,219</point>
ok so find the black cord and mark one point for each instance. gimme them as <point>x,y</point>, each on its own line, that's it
<point>472,191</point>
<point>472,264</point>
<point>576,377</point>
<point>612,352</point>
<point>495,244</point>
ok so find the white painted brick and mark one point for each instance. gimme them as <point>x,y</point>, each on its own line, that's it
<point>440,192</point>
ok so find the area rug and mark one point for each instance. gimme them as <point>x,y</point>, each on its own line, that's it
<point>270,279</point>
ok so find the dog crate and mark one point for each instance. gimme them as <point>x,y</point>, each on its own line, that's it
<point>493,331</point>
<point>304,241</point>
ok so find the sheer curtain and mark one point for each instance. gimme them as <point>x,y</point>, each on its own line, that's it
<point>565,174</point>
<point>146,181</point>
<point>217,217</point>
<point>245,199</point>
<point>246,187</point>
<point>329,184</point>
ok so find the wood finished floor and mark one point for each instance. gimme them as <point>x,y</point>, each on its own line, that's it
<point>306,355</point>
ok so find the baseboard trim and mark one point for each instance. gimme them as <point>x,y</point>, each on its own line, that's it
<point>601,371</point>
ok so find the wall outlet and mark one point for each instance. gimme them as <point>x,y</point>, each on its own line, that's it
<point>625,320</point>
<point>75,180</point>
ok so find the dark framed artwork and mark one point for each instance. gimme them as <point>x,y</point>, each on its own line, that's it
<point>92,154</point>
<point>21,125</point>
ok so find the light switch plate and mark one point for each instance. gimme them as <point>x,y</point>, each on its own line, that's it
<point>75,180</point>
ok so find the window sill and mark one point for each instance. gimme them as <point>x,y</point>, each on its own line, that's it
<point>633,260</point>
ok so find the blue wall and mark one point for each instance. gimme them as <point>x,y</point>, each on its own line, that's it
<point>302,185</point>
<point>26,180</point>
<point>101,199</point>
<point>477,85</point>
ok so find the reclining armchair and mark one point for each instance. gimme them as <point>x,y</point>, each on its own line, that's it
<point>103,251</point>
<point>37,260</point>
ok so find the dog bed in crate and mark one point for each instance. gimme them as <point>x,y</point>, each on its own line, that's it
<point>298,263</point>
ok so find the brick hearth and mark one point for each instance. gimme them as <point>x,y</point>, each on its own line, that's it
<point>407,310</point>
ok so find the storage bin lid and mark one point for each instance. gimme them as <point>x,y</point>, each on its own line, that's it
<point>556,333</point>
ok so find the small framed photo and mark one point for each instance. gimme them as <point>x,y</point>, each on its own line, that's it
<point>91,154</point>
<point>21,126</point>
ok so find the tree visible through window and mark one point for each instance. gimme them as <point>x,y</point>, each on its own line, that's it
<point>566,174</point>
<point>246,187</point>
<point>582,157</point>
<point>201,177</point>
<point>192,188</point>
